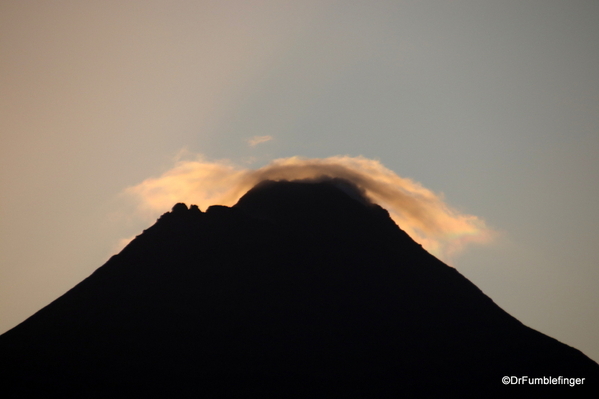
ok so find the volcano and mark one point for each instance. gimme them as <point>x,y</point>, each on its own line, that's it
<point>301,289</point>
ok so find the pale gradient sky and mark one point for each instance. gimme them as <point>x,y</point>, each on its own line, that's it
<point>495,104</point>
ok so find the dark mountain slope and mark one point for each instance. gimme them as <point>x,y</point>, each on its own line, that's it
<point>299,290</point>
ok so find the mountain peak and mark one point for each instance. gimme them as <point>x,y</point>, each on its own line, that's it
<point>301,289</point>
<point>275,199</point>
<point>309,189</point>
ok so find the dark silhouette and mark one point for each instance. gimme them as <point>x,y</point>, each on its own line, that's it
<point>302,289</point>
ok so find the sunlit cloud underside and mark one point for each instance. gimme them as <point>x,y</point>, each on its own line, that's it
<point>420,212</point>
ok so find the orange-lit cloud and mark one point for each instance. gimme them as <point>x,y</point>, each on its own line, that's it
<point>420,212</point>
<point>254,141</point>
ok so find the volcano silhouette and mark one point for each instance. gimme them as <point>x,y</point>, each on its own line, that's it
<point>301,289</point>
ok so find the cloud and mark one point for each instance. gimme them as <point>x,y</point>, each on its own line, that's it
<point>423,214</point>
<point>254,141</point>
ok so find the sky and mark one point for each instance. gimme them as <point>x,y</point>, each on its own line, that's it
<point>493,106</point>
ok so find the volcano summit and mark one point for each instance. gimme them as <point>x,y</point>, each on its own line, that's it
<point>301,289</point>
